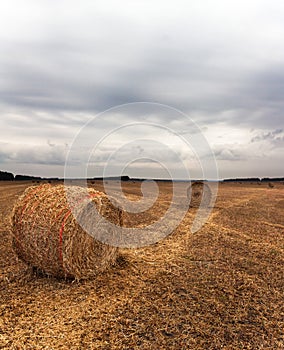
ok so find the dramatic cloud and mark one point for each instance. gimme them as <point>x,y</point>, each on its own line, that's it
<point>220,62</point>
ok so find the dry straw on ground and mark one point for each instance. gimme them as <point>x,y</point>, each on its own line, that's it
<point>47,236</point>
<point>197,193</point>
<point>220,288</point>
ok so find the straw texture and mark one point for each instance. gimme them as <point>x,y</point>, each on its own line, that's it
<point>197,192</point>
<point>48,237</point>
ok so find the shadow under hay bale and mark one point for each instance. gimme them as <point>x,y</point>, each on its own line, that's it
<point>47,236</point>
<point>199,194</point>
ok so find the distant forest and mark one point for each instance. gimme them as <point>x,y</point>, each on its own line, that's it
<point>6,176</point>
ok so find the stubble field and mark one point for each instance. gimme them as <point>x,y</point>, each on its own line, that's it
<point>219,288</point>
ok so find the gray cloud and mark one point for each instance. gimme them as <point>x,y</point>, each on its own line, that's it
<point>271,135</point>
<point>225,153</point>
<point>273,140</point>
<point>221,63</point>
<point>193,85</point>
<point>29,154</point>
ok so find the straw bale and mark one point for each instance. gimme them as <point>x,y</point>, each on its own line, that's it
<point>199,191</point>
<point>47,236</point>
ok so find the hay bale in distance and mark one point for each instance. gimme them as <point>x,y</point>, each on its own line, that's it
<point>47,236</point>
<point>196,192</point>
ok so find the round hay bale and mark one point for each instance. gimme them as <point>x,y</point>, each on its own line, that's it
<point>47,236</point>
<point>197,192</point>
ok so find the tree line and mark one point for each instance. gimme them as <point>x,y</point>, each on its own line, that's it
<point>6,176</point>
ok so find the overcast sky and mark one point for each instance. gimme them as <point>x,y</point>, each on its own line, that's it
<point>219,62</point>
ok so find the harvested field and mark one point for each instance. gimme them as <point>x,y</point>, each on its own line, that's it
<point>220,288</point>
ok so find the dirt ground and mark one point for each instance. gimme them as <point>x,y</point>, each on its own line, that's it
<point>219,288</point>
